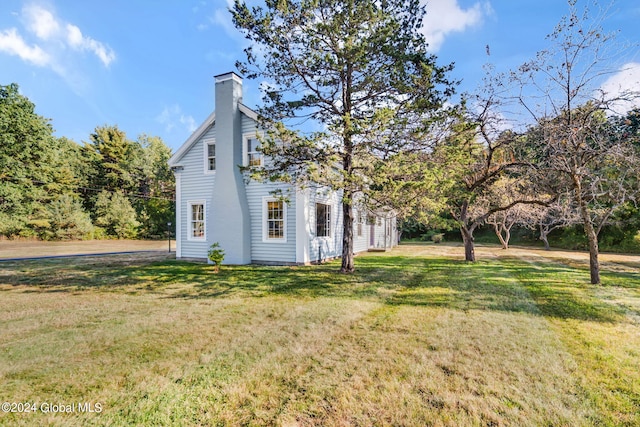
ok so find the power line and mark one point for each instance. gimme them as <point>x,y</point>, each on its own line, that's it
<point>96,189</point>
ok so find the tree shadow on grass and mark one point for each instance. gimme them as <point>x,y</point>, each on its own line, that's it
<point>504,284</point>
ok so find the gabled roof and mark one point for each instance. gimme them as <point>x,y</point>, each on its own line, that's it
<point>202,129</point>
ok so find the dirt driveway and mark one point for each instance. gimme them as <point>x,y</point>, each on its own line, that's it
<point>10,249</point>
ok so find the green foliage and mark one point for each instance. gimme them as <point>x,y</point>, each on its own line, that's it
<point>361,70</point>
<point>116,215</point>
<point>67,220</point>
<point>411,228</point>
<point>43,179</point>
<point>156,185</point>
<point>26,163</point>
<point>138,168</point>
<point>437,238</point>
<point>216,256</point>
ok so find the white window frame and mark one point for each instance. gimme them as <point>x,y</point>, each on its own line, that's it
<point>245,150</point>
<point>265,221</point>
<point>190,205</point>
<point>206,145</point>
<point>360,223</point>
<point>328,222</point>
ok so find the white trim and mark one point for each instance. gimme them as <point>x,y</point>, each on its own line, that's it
<point>228,76</point>
<point>205,150</point>
<point>204,127</point>
<point>191,203</point>
<point>245,153</point>
<point>331,218</point>
<point>195,136</point>
<point>302,227</point>
<point>265,228</point>
<point>178,206</point>
<point>248,112</point>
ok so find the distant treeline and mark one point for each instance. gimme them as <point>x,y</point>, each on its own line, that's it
<point>54,188</point>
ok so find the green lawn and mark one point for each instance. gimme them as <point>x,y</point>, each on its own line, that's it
<point>414,337</point>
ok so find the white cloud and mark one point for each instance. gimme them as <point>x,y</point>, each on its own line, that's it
<point>446,16</point>
<point>55,36</point>
<point>41,22</point>
<point>79,42</point>
<point>624,84</point>
<point>12,43</point>
<point>74,36</point>
<point>173,116</point>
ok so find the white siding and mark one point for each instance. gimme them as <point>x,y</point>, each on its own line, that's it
<point>360,243</point>
<point>384,232</point>
<point>321,248</point>
<point>195,185</point>
<point>271,251</point>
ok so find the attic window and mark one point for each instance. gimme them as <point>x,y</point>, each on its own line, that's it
<point>211,156</point>
<point>254,156</point>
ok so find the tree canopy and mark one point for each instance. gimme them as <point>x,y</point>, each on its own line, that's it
<point>54,188</point>
<point>359,71</point>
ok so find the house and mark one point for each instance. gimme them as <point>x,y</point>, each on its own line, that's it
<point>216,202</point>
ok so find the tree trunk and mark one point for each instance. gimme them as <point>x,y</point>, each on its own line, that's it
<point>347,233</point>
<point>589,230</point>
<point>594,265</point>
<point>504,240</point>
<point>507,237</point>
<point>544,238</point>
<point>469,248</point>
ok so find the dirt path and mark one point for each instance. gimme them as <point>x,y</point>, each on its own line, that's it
<point>613,262</point>
<point>22,249</point>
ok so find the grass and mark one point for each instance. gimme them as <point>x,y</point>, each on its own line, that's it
<point>414,337</point>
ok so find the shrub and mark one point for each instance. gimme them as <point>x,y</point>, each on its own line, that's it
<point>115,214</point>
<point>437,238</point>
<point>216,256</point>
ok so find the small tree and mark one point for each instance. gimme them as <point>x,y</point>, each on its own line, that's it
<point>116,215</point>
<point>67,220</point>
<point>216,256</point>
<point>559,214</point>
<point>504,192</point>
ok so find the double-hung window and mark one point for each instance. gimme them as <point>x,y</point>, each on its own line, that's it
<point>210,160</point>
<point>274,224</point>
<point>252,150</point>
<point>323,220</point>
<point>197,220</point>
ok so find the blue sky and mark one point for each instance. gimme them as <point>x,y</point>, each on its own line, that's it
<point>148,66</point>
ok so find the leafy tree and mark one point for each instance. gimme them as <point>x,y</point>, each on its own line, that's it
<point>473,161</point>
<point>112,158</point>
<point>138,170</point>
<point>358,70</point>
<point>67,220</point>
<point>156,187</point>
<point>27,168</point>
<point>116,215</point>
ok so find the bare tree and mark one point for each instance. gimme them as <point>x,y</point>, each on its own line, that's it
<point>505,192</point>
<point>574,141</point>
<point>559,214</point>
